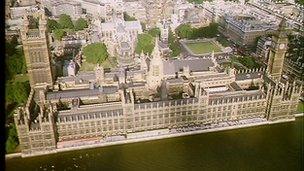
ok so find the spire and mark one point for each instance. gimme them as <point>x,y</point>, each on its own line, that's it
<point>142,54</point>
<point>155,52</point>
<point>282,28</point>
<point>282,24</point>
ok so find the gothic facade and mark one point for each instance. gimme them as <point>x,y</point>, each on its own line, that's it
<point>153,93</point>
<point>35,43</point>
<point>159,94</point>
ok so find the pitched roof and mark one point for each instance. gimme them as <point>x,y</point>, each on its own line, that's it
<point>195,65</point>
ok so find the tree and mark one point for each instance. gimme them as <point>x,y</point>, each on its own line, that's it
<point>80,24</point>
<point>154,32</point>
<point>52,24</point>
<point>17,92</point>
<point>59,33</point>
<point>145,43</point>
<point>128,18</point>
<point>15,61</point>
<point>95,53</point>
<point>174,45</point>
<point>184,31</point>
<point>12,140</point>
<point>65,21</point>
<point>300,2</point>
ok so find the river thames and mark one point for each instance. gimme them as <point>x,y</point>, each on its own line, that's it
<point>268,147</point>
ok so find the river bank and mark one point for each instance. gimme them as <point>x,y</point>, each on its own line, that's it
<point>265,147</point>
<point>162,134</point>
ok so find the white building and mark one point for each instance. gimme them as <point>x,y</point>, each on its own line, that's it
<point>135,9</point>
<point>58,7</point>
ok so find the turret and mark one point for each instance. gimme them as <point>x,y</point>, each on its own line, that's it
<point>99,73</point>
<point>143,63</point>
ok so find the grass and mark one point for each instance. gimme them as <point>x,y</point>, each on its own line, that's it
<point>110,62</point>
<point>203,47</point>
<point>301,107</point>
<point>21,78</point>
<point>223,41</point>
<point>247,61</point>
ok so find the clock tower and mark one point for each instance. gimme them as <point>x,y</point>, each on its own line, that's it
<point>277,51</point>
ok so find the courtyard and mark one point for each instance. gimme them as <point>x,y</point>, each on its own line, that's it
<point>202,47</point>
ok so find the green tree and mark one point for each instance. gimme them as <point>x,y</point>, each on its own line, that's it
<point>65,21</point>
<point>128,18</point>
<point>15,61</point>
<point>17,92</point>
<point>80,24</point>
<point>95,53</point>
<point>184,31</point>
<point>174,45</point>
<point>154,32</point>
<point>300,2</point>
<point>12,140</point>
<point>52,24</point>
<point>59,33</point>
<point>145,43</point>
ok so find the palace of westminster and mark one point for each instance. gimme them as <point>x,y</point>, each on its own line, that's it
<point>158,93</point>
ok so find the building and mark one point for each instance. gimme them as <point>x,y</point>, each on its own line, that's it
<point>242,23</point>
<point>120,38</point>
<point>262,47</point>
<point>244,30</point>
<point>294,59</point>
<point>136,9</point>
<point>58,7</point>
<point>107,10</point>
<point>159,94</point>
<point>23,3</point>
<point>18,12</point>
<point>35,43</point>
<point>157,11</point>
<point>7,9</point>
<point>292,12</point>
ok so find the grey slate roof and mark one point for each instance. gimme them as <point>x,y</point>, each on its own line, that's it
<point>166,103</point>
<point>243,76</point>
<point>80,93</point>
<point>242,95</point>
<point>195,65</point>
<point>81,77</point>
<point>85,114</point>
<point>235,86</point>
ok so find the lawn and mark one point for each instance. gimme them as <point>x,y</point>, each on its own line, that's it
<point>247,61</point>
<point>203,47</point>
<point>110,62</point>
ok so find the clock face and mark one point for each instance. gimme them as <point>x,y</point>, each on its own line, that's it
<point>282,46</point>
